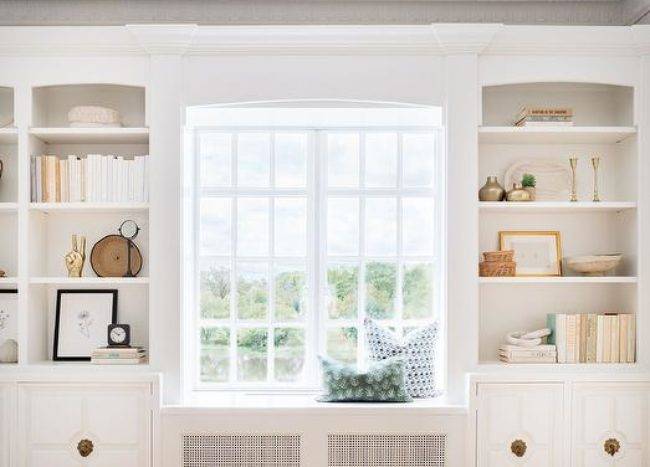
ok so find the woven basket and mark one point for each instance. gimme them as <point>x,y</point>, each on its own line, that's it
<point>497,269</point>
<point>505,256</point>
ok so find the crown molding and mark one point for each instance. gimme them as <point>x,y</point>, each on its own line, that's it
<point>436,39</point>
<point>641,34</point>
<point>314,40</point>
<point>465,38</point>
<point>563,40</point>
<point>23,41</point>
<point>163,39</point>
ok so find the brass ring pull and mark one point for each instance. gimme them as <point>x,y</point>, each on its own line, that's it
<point>612,446</point>
<point>518,448</point>
<point>85,447</point>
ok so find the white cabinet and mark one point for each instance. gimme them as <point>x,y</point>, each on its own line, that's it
<point>68,425</point>
<point>5,420</point>
<point>610,425</point>
<point>520,425</point>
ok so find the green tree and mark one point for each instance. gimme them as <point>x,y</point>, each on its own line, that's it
<point>342,284</point>
<point>417,291</point>
<point>215,293</point>
<point>252,297</point>
<point>290,295</point>
<point>380,289</point>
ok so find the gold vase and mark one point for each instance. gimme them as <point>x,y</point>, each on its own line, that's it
<point>492,190</point>
<point>518,193</point>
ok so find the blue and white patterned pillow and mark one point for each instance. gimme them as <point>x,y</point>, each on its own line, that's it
<point>418,350</point>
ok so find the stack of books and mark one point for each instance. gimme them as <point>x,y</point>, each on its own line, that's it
<point>592,338</point>
<point>538,354</point>
<point>119,356</point>
<point>95,178</point>
<point>543,116</point>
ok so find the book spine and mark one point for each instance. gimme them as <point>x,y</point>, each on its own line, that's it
<point>560,343</point>
<point>583,339</point>
<point>600,338</point>
<point>623,322</point>
<point>631,339</point>
<point>571,328</point>
<point>39,179</point>
<point>607,340</point>
<point>592,336</point>
<point>615,339</point>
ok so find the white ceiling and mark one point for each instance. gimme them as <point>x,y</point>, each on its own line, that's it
<point>117,12</point>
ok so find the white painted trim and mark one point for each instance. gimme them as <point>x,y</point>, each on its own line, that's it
<point>436,39</point>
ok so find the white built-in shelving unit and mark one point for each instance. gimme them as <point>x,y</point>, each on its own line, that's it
<point>36,236</point>
<point>604,125</point>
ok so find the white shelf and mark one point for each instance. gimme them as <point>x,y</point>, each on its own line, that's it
<point>553,135</point>
<point>555,206</point>
<point>8,135</point>
<point>497,365</point>
<point>90,280</point>
<point>88,207</point>
<point>8,207</point>
<point>92,135</point>
<point>8,281</point>
<point>559,280</point>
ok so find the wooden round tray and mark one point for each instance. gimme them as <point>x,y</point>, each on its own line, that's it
<point>108,257</point>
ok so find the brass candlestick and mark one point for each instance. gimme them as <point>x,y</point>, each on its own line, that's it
<point>573,161</point>
<point>595,162</point>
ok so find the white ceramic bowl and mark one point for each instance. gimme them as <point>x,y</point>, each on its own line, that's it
<point>594,265</point>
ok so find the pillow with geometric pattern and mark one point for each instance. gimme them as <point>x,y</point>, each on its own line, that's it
<point>418,350</point>
<point>382,382</point>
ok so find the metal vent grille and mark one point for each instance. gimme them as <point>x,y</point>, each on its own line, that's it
<point>241,450</point>
<point>386,450</point>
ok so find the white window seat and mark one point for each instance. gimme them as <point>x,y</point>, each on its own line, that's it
<point>200,404</point>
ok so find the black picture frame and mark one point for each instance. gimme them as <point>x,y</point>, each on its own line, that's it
<point>57,325</point>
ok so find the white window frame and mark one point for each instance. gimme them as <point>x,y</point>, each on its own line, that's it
<point>316,193</point>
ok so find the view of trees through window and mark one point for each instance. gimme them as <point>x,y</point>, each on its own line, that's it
<point>268,235</point>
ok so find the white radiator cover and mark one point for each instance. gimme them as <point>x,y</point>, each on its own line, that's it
<point>386,450</point>
<point>241,450</point>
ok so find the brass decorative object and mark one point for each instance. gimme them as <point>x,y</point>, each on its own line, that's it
<point>76,258</point>
<point>492,190</point>
<point>573,161</point>
<point>85,447</point>
<point>612,446</point>
<point>518,447</point>
<point>595,162</point>
<point>518,194</point>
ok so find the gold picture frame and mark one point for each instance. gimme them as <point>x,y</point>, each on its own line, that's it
<point>540,251</point>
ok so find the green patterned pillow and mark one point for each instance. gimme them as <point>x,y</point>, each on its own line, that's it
<point>383,382</point>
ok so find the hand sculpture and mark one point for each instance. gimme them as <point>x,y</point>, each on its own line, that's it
<point>74,260</point>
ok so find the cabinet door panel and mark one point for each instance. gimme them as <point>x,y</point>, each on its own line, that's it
<point>115,418</point>
<point>524,414</point>
<point>5,420</point>
<point>54,418</point>
<point>611,412</point>
<point>51,458</point>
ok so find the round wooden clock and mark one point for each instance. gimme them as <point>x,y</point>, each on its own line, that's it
<point>110,257</point>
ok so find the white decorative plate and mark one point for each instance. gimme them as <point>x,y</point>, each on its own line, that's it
<point>553,178</point>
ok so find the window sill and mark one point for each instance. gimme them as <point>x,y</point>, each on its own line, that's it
<point>207,403</point>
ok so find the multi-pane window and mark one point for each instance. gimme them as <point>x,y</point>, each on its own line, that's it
<point>302,234</point>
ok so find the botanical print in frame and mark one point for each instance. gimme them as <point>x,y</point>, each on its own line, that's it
<point>8,315</point>
<point>537,253</point>
<point>82,319</point>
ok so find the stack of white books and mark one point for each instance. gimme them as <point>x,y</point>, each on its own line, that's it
<point>119,356</point>
<point>94,178</point>
<point>537,354</point>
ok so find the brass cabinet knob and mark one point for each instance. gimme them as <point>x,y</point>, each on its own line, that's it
<point>518,447</point>
<point>85,447</point>
<point>612,446</point>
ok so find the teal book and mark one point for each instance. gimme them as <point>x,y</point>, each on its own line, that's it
<point>556,322</point>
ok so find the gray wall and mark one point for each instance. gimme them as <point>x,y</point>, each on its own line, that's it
<point>118,12</point>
